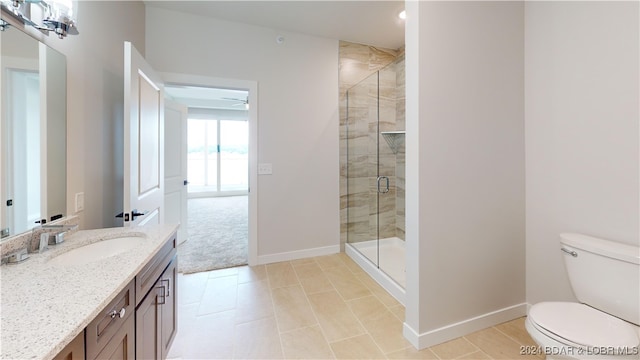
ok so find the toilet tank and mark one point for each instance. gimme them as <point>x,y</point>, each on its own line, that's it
<point>604,274</point>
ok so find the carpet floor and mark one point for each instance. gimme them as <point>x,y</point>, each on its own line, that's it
<point>217,234</point>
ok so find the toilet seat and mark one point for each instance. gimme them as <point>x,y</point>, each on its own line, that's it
<point>582,326</point>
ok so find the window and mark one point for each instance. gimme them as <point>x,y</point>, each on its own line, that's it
<point>218,156</point>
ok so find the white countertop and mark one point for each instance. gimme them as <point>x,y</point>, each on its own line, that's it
<point>43,306</point>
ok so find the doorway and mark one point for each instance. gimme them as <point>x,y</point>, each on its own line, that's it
<point>219,127</point>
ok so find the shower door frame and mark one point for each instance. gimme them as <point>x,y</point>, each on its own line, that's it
<point>382,185</point>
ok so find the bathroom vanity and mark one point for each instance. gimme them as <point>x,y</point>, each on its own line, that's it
<point>119,303</point>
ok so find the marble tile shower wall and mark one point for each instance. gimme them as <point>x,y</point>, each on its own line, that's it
<point>400,155</point>
<point>358,62</point>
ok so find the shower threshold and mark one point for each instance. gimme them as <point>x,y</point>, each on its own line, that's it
<point>390,273</point>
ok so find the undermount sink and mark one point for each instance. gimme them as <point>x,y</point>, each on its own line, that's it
<point>96,251</point>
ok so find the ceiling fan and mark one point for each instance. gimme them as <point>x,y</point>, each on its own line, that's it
<point>240,102</point>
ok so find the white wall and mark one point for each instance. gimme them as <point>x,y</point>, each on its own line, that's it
<point>298,206</point>
<point>465,167</point>
<point>95,89</point>
<point>581,132</point>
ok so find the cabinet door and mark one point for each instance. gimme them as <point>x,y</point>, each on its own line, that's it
<point>148,324</point>
<point>168,310</point>
<point>122,344</point>
<point>101,330</point>
<point>73,351</point>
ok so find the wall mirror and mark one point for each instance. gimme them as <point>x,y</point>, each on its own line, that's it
<point>32,132</point>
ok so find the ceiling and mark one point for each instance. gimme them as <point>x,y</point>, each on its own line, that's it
<point>365,22</point>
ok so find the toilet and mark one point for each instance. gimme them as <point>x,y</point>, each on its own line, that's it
<point>605,278</point>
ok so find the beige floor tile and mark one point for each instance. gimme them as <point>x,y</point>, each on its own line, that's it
<point>347,284</point>
<point>223,272</point>
<point>306,343</point>
<point>497,345</point>
<point>478,355</point>
<point>297,310</point>
<point>254,301</point>
<point>191,287</point>
<point>359,347</point>
<point>386,331</point>
<point>281,274</point>
<point>292,308</point>
<point>515,330</point>
<point>398,311</point>
<point>194,341</point>
<point>366,308</point>
<point>355,268</point>
<point>251,273</point>
<point>257,340</point>
<point>220,294</point>
<point>307,270</point>
<point>303,261</point>
<point>335,317</point>
<point>316,284</point>
<point>377,290</point>
<point>412,353</point>
<point>454,348</point>
<point>329,261</point>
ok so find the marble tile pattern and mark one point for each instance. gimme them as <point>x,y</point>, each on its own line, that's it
<point>401,154</point>
<point>317,308</point>
<point>374,104</point>
<point>44,306</point>
<point>356,63</point>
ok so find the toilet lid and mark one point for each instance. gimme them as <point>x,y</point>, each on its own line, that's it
<point>584,325</point>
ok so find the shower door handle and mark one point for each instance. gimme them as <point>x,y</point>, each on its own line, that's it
<point>386,188</point>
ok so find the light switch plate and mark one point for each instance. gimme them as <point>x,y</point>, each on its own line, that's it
<point>265,169</point>
<point>79,202</point>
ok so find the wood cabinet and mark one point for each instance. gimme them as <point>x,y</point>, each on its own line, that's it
<point>141,322</point>
<point>73,351</point>
<point>111,334</point>
<point>156,313</point>
<point>147,326</point>
<point>169,313</point>
<point>122,345</point>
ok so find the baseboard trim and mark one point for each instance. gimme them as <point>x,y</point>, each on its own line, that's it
<point>298,254</point>
<point>450,332</point>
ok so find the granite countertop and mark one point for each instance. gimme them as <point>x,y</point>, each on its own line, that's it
<point>44,306</point>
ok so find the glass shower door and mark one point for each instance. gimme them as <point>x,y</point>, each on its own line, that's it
<point>362,168</point>
<point>375,171</point>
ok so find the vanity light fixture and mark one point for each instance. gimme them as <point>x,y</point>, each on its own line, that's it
<point>60,17</point>
<point>402,14</point>
<point>53,15</point>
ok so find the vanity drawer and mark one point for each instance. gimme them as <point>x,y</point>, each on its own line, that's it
<point>109,321</point>
<point>147,277</point>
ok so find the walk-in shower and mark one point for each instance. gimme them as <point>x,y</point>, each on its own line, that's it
<point>375,172</point>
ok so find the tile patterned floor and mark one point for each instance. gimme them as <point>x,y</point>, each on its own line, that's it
<point>318,308</point>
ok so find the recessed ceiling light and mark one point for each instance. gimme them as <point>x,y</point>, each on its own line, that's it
<point>403,14</point>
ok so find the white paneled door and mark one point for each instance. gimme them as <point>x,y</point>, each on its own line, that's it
<point>175,166</point>
<point>143,141</point>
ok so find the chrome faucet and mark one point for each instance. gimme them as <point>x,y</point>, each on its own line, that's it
<point>56,235</point>
<point>50,235</point>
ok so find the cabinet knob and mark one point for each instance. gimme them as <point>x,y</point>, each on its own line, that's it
<point>119,314</point>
